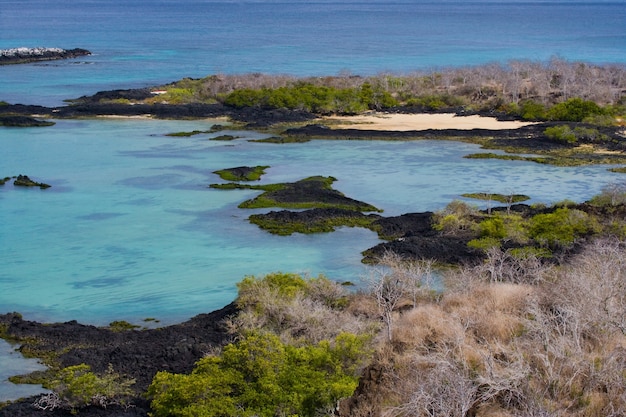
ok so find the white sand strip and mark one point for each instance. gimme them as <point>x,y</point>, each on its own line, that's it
<point>405,122</point>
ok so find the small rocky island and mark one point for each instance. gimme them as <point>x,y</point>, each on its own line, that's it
<point>24,181</point>
<point>28,55</point>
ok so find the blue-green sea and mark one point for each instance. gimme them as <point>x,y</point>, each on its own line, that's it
<point>130,230</point>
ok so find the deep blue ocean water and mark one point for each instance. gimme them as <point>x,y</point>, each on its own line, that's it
<point>130,230</point>
<point>143,42</point>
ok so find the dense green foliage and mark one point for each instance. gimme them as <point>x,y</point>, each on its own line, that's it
<point>552,228</point>
<point>571,110</point>
<point>435,101</point>
<point>313,98</point>
<point>562,227</point>
<point>261,376</point>
<point>574,110</point>
<point>284,285</point>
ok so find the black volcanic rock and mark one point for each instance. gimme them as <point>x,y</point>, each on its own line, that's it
<point>28,55</point>
<point>138,354</point>
<point>25,181</point>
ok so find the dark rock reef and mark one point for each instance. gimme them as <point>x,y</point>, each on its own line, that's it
<point>28,55</point>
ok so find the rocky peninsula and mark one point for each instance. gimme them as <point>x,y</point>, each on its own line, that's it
<point>28,55</point>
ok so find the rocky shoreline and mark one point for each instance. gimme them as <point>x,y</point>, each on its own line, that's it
<point>27,55</point>
<point>136,353</point>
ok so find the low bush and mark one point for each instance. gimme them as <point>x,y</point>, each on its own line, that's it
<point>456,217</point>
<point>562,227</point>
<point>77,386</point>
<point>261,376</point>
<point>565,133</point>
<point>319,99</point>
<point>574,110</point>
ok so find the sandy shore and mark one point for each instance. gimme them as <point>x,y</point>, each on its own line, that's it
<point>406,122</point>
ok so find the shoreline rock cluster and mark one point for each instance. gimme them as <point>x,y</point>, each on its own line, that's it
<point>28,55</point>
<point>139,353</point>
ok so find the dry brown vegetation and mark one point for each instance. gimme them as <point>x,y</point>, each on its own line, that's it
<point>552,344</point>
<point>490,85</point>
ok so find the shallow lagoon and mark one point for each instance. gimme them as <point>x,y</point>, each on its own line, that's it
<point>130,229</point>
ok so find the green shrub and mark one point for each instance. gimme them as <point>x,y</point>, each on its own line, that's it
<point>561,133</point>
<point>77,386</point>
<point>531,110</point>
<point>245,97</point>
<point>284,285</point>
<point>261,376</point>
<point>435,101</point>
<point>601,120</point>
<point>574,110</point>
<point>314,98</point>
<point>499,227</point>
<point>456,217</point>
<point>565,133</point>
<point>493,228</point>
<point>562,227</point>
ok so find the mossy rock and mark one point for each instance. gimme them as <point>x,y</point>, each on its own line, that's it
<point>312,192</point>
<point>318,220</point>
<point>242,173</point>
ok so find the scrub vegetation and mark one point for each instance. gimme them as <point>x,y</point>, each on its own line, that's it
<point>530,90</point>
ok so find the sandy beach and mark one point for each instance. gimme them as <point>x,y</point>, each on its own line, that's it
<point>407,122</point>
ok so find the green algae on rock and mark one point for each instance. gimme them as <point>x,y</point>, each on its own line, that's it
<point>312,192</point>
<point>242,173</point>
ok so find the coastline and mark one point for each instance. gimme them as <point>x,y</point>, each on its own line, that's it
<point>140,353</point>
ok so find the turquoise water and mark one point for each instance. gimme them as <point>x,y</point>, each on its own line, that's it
<point>130,230</point>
